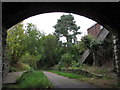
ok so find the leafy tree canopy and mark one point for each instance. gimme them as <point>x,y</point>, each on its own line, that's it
<point>66,27</point>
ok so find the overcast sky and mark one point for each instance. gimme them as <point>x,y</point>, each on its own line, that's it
<point>45,22</point>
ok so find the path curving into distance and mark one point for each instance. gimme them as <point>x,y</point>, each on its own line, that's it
<point>65,82</point>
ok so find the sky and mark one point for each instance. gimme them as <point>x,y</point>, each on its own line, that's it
<point>46,21</point>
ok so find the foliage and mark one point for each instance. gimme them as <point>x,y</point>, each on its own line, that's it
<point>75,64</point>
<point>49,44</point>
<point>60,50</point>
<point>32,39</point>
<point>93,44</point>
<point>31,60</point>
<point>33,79</point>
<point>66,27</point>
<point>32,47</point>
<point>77,50</point>
<point>24,44</point>
<point>80,47</point>
<point>56,67</point>
<point>15,43</point>
<point>87,41</point>
<point>19,67</point>
<point>66,59</point>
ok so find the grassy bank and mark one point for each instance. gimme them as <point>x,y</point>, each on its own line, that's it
<point>101,83</point>
<point>19,67</point>
<point>32,79</point>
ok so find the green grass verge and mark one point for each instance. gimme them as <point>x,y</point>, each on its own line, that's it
<point>80,77</point>
<point>98,71</point>
<point>104,82</point>
<point>32,79</point>
<point>70,75</point>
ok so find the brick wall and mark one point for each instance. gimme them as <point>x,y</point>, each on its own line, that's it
<point>94,30</point>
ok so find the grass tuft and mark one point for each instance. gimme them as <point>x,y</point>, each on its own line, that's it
<point>32,79</point>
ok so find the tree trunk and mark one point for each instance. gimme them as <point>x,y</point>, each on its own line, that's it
<point>94,61</point>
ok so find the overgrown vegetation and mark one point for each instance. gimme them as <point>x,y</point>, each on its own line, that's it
<point>19,67</point>
<point>29,48</point>
<point>32,79</point>
<point>28,45</point>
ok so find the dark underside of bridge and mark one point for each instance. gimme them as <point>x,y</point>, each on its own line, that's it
<point>107,14</point>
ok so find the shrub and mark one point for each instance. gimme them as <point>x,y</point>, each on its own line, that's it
<point>66,59</point>
<point>75,64</point>
<point>56,67</point>
<point>31,60</point>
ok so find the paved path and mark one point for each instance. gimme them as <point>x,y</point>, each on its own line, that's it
<point>12,77</point>
<point>64,82</point>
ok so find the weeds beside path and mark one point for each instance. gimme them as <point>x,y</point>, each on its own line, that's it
<point>101,83</point>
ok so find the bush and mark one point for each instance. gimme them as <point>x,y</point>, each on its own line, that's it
<point>56,67</point>
<point>75,64</point>
<point>66,59</point>
<point>31,60</point>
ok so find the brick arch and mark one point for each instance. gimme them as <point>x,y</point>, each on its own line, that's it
<point>106,14</point>
<point>99,12</point>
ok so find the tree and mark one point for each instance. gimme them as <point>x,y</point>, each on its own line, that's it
<point>24,44</point>
<point>34,49</point>
<point>66,27</point>
<point>77,50</point>
<point>32,39</point>
<point>16,42</point>
<point>49,44</point>
<point>92,44</point>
